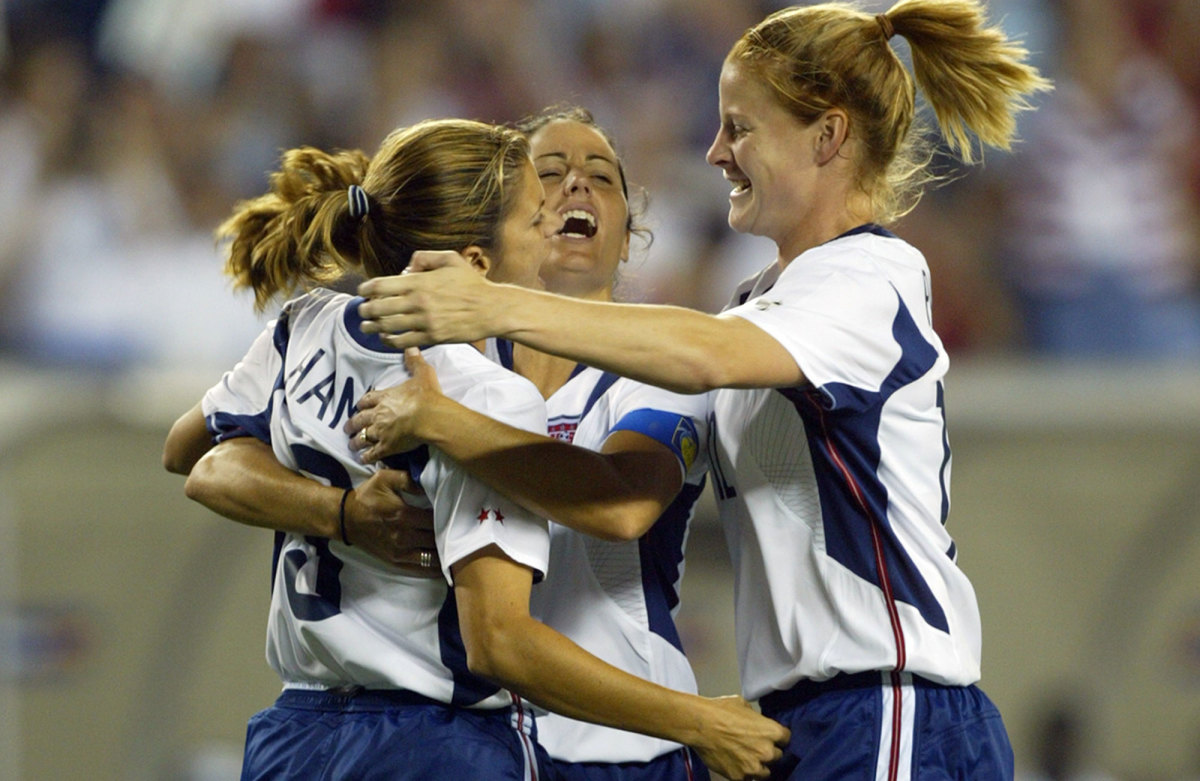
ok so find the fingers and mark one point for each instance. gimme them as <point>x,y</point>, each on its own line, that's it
<point>422,562</point>
<point>379,317</point>
<point>427,260</point>
<point>421,371</point>
<point>398,481</point>
<point>368,400</point>
<point>380,287</point>
<point>384,304</point>
<point>413,361</point>
<point>400,284</point>
<point>356,431</point>
<point>422,538</point>
<point>402,341</point>
<point>427,558</point>
<point>390,306</point>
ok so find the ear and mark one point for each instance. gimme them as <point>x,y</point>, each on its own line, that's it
<point>478,258</point>
<point>833,128</point>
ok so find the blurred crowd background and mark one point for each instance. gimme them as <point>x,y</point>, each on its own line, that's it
<point>128,128</point>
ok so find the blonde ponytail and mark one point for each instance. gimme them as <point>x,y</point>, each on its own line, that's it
<point>973,77</point>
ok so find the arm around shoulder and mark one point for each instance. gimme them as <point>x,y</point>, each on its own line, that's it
<point>673,347</point>
<point>242,480</point>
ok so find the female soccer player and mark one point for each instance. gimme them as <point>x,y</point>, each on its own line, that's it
<point>855,626</point>
<point>624,504</point>
<point>386,675</point>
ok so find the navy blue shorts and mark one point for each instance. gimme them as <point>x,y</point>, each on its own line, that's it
<point>681,765</point>
<point>894,726</point>
<point>389,735</point>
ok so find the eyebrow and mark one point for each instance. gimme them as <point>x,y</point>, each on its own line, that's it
<point>562,156</point>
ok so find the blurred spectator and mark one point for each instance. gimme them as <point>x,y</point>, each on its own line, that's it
<point>112,271</point>
<point>1172,29</point>
<point>1101,229</point>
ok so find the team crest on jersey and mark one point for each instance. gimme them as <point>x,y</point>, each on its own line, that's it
<point>686,440</point>
<point>563,428</point>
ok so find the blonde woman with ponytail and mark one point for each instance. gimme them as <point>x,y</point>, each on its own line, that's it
<point>415,672</point>
<point>856,629</point>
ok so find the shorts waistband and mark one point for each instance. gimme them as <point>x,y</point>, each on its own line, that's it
<point>807,690</point>
<point>352,698</point>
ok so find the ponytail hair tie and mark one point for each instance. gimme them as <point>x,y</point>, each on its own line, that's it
<point>885,25</point>
<point>360,204</point>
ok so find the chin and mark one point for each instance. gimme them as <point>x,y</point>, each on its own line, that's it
<point>740,221</point>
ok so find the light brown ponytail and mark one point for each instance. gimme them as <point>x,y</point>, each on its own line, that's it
<point>299,232</point>
<point>439,185</point>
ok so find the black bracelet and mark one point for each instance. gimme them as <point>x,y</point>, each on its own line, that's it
<point>342,516</point>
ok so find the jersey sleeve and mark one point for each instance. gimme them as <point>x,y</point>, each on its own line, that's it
<point>837,325</point>
<point>240,404</point>
<point>677,421</point>
<point>469,515</point>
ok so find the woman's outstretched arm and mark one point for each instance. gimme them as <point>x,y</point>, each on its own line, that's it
<point>672,347</point>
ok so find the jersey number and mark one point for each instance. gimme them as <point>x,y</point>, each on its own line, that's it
<point>324,599</point>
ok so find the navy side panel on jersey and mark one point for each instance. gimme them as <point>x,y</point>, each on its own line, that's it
<point>842,424</point>
<point>661,551</point>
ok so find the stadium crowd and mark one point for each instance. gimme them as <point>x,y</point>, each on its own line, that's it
<point>127,127</point>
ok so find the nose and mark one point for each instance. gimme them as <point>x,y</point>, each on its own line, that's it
<point>575,182</point>
<point>718,151</point>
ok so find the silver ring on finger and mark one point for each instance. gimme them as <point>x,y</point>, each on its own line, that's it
<point>362,435</point>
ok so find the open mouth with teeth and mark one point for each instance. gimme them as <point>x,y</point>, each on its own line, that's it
<point>740,185</point>
<point>578,223</point>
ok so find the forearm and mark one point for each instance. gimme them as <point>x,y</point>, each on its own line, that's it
<point>550,670</point>
<point>243,481</point>
<point>668,346</point>
<point>610,496</point>
<point>681,349</point>
<point>188,440</point>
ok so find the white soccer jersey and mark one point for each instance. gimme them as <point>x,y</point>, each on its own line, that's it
<point>834,496</point>
<point>339,616</point>
<point>618,600</point>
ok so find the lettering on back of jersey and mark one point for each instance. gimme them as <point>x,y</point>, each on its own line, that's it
<point>324,390</point>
